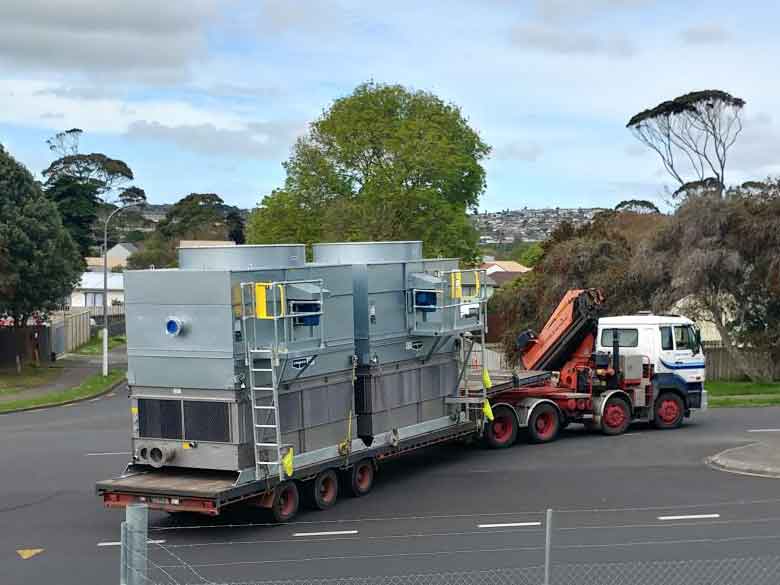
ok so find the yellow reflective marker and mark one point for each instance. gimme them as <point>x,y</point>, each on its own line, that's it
<point>476,282</point>
<point>133,410</point>
<point>486,381</point>
<point>27,553</point>
<point>185,445</point>
<point>456,287</point>
<point>287,462</point>
<point>487,411</point>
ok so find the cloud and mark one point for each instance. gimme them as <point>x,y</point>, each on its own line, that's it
<point>522,151</point>
<point>559,10</point>
<point>567,42</point>
<point>705,34</point>
<point>94,92</point>
<point>52,116</point>
<point>259,140</point>
<point>114,38</point>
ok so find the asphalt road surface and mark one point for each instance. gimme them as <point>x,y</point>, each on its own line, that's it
<point>646,496</point>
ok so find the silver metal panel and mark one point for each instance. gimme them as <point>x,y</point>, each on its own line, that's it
<point>242,257</point>
<point>363,252</point>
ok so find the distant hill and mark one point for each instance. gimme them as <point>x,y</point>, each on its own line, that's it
<point>528,225</point>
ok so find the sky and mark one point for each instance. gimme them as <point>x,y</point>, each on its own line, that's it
<point>209,95</point>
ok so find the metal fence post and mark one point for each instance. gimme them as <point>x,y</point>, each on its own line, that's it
<point>137,516</point>
<point>547,545</point>
<point>123,554</point>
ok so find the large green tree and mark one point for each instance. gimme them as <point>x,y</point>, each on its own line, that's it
<point>41,262</point>
<point>88,187</point>
<point>384,163</point>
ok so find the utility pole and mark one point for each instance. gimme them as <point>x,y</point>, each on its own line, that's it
<point>105,284</point>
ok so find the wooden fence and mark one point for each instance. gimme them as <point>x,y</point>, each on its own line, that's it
<point>721,366</point>
<point>70,329</point>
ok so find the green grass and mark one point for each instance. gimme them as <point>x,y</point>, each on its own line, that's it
<point>90,387</point>
<point>31,377</point>
<point>95,345</point>
<point>729,394</point>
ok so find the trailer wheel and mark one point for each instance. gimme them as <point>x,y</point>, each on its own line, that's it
<point>285,504</point>
<point>668,411</point>
<point>323,490</point>
<point>544,424</point>
<point>501,432</point>
<point>616,416</point>
<point>360,478</point>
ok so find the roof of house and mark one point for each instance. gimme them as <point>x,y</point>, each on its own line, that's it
<point>205,243</point>
<point>503,277</point>
<point>94,281</point>
<point>129,246</point>
<point>507,266</point>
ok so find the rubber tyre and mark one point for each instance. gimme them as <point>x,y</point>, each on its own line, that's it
<point>286,502</point>
<point>669,411</point>
<point>323,490</point>
<point>616,417</point>
<point>544,424</point>
<point>359,480</point>
<point>501,432</point>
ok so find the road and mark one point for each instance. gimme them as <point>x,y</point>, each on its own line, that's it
<point>644,496</point>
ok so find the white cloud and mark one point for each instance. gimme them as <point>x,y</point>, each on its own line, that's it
<point>570,42</point>
<point>705,34</point>
<point>558,10</point>
<point>110,38</point>
<point>259,140</point>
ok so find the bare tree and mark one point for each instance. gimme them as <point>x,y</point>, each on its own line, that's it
<point>695,130</point>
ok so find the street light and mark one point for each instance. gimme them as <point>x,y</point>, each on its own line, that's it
<point>105,282</point>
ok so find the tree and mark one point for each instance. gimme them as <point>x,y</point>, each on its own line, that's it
<point>692,132</point>
<point>637,206</point>
<point>729,273</point>
<point>84,187</point>
<point>198,216</point>
<point>384,163</point>
<point>41,262</point>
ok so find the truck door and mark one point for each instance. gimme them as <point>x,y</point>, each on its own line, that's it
<point>681,353</point>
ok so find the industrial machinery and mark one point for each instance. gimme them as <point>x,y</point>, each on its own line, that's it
<point>268,385</point>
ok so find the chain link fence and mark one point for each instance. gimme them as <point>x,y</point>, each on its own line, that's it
<point>152,562</point>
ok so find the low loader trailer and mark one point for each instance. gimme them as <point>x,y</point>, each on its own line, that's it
<point>604,373</point>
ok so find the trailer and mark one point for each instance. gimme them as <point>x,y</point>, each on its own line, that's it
<point>604,373</point>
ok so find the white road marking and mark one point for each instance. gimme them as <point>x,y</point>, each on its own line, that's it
<point>96,399</point>
<point>763,430</point>
<point>329,533</point>
<point>114,453</point>
<point>117,543</point>
<point>509,525</point>
<point>690,517</point>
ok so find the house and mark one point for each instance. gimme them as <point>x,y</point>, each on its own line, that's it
<point>117,257</point>
<point>89,290</point>
<point>504,266</point>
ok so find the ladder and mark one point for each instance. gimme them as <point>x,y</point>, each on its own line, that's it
<point>266,431</point>
<point>264,356</point>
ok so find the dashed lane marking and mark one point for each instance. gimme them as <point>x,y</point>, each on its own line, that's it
<point>117,543</point>
<point>114,453</point>
<point>763,431</point>
<point>28,553</point>
<point>509,525</point>
<point>328,533</point>
<point>690,517</point>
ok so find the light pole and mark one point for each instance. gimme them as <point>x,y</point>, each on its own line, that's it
<point>105,284</point>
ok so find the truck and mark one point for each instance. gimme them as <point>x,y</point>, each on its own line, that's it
<point>602,372</point>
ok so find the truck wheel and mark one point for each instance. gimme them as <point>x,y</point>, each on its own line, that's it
<point>323,490</point>
<point>501,432</point>
<point>360,479</point>
<point>544,424</point>
<point>616,417</point>
<point>669,411</point>
<point>285,504</point>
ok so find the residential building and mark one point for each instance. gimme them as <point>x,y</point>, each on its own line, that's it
<point>504,266</point>
<point>89,290</point>
<point>117,257</point>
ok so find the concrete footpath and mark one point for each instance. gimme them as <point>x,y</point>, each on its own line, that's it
<point>761,458</point>
<point>75,368</point>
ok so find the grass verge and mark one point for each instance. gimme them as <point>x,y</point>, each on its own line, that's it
<point>730,394</point>
<point>92,386</point>
<point>95,345</point>
<point>31,377</point>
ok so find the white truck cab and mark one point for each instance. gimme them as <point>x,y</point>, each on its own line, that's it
<point>670,343</point>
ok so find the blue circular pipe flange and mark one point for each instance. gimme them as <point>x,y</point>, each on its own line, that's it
<point>173,326</point>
